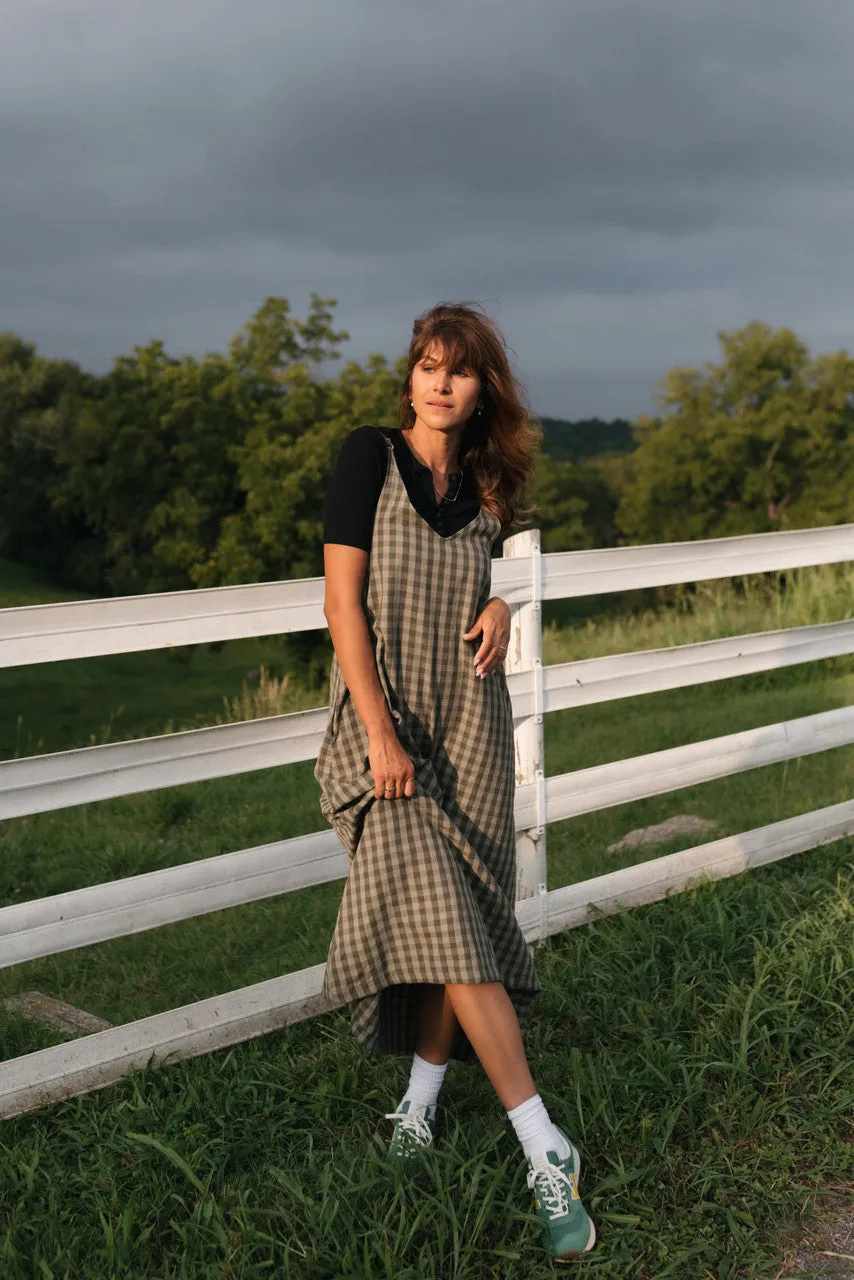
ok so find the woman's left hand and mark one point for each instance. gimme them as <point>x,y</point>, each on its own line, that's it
<point>494,622</point>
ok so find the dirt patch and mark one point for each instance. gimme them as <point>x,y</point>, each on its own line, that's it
<point>828,1245</point>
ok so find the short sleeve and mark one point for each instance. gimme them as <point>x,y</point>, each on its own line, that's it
<point>354,488</point>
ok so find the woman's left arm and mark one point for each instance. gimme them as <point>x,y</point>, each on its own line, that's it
<point>494,622</point>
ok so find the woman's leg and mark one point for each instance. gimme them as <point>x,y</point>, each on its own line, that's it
<point>488,1017</point>
<point>436,1023</point>
<point>435,1030</point>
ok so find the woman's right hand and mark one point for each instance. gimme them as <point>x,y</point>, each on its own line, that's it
<point>392,768</point>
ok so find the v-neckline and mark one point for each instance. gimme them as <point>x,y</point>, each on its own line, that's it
<point>419,461</point>
<point>442,537</point>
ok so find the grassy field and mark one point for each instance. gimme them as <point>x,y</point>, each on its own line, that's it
<point>55,706</point>
<point>699,1050</point>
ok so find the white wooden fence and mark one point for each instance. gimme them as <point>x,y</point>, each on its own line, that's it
<point>524,578</point>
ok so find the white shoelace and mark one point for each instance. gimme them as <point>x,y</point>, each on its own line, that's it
<point>551,1183</point>
<point>413,1124</point>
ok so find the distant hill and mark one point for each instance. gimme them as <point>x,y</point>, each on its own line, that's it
<point>575,441</point>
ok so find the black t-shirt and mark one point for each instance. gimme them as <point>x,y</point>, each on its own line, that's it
<point>357,480</point>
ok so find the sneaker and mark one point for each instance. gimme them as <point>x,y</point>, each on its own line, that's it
<point>567,1230</point>
<point>414,1129</point>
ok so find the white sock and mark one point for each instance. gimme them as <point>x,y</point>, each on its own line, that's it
<point>425,1081</point>
<point>535,1130</point>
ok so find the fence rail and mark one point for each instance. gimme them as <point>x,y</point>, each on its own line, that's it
<point>524,578</point>
<point>45,926</point>
<point>128,624</point>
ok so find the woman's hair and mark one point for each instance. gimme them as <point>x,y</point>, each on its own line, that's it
<point>499,444</point>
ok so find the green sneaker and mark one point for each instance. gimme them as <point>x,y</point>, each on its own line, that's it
<point>567,1230</point>
<point>413,1131</point>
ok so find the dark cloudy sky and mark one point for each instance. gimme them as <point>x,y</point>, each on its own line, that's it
<point>615,180</point>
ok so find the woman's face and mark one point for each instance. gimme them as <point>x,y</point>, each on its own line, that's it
<point>442,397</point>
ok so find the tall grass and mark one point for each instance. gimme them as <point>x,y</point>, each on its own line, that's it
<point>262,694</point>
<point>710,610</point>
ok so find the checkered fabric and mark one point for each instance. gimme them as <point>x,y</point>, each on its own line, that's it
<point>431,889</point>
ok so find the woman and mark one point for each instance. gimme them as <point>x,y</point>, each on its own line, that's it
<point>417,765</point>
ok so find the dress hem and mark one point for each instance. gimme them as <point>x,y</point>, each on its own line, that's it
<point>377,989</point>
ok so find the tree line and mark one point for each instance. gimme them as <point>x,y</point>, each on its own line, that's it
<point>169,473</point>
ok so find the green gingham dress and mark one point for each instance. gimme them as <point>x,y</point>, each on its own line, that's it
<point>430,894</point>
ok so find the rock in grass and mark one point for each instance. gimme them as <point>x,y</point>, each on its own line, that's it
<point>55,1013</point>
<point>682,824</point>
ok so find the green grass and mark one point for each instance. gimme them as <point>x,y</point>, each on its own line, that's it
<point>699,1050</point>
<point>21,585</point>
<point>588,628</point>
<point>56,706</point>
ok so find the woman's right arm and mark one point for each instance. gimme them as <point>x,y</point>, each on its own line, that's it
<point>344,568</point>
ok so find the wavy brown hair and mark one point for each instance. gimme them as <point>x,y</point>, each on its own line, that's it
<point>500,444</point>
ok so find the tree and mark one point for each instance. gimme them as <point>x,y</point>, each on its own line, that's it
<point>761,441</point>
<point>156,464</point>
<point>575,505</point>
<point>283,467</point>
<point>40,402</point>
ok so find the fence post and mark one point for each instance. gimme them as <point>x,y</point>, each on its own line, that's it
<point>525,653</point>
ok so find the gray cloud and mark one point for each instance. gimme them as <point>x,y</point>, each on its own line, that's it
<point>615,181</point>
